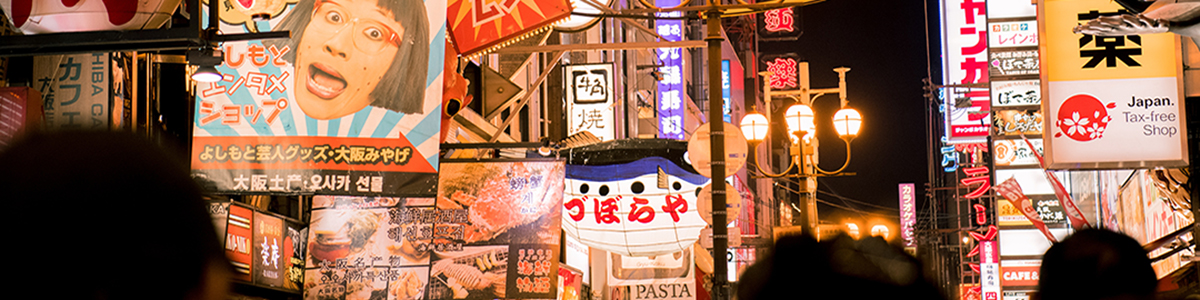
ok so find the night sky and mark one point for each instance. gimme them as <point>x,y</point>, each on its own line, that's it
<point>884,45</point>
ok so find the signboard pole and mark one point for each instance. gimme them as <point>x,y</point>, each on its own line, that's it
<point>720,239</point>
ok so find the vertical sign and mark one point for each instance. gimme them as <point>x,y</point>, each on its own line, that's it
<point>965,58</point>
<point>908,216</point>
<point>726,94</point>
<point>74,89</point>
<point>989,269</point>
<point>1110,101</point>
<point>238,239</point>
<point>589,99</point>
<point>269,264</point>
<point>671,94</point>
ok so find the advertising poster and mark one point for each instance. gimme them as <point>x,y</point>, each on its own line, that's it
<point>1016,92</point>
<point>1015,122</point>
<point>660,277</point>
<point>1109,101</point>
<point>590,99</point>
<point>908,213</point>
<point>75,90</point>
<point>349,105</point>
<point>491,233</point>
<point>294,246</point>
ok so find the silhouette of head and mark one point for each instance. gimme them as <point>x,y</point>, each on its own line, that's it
<point>1096,264</point>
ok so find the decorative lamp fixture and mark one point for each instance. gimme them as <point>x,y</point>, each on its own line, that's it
<point>847,121</point>
<point>800,117</point>
<point>754,127</point>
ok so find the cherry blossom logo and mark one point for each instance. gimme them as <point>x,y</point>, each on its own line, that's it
<point>1083,118</point>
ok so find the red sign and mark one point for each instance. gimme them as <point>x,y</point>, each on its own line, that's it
<point>483,25</point>
<point>1019,276</point>
<point>779,20</point>
<point>783,73</point>
<point>238,241</point>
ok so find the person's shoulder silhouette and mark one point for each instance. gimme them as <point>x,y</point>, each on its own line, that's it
<point>106,215</point>
<point>1096,264</point>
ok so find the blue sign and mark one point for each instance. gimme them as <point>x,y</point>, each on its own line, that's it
<point>726,94</point>
<point>671,95</point>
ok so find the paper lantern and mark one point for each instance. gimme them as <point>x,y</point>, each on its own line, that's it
<point>49,16</point>
<point>642,208</point>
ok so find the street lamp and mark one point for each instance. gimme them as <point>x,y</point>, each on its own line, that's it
<point>800,120</point>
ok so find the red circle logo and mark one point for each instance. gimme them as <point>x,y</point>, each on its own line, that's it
<point>1082,118</point>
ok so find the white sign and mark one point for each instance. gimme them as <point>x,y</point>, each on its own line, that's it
<point>1001,9</point>
<point>662,277</point>
<point>75,89</point>
<point>965,60</point>
<point>1015,152</point>
<point>1112,102</point>
<point>1013,34</point>
<point>1016,93</point>
<point>590,99</point>
<point>989,269</point>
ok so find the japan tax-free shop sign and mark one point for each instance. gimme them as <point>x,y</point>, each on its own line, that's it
<point>1110,101</point>
<point>349,105</point>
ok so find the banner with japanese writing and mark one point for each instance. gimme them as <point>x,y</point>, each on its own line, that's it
<point>1110,102</point>
<point>965,61</point>
<point>671,94</point>
<point>1015,122</point>
<point>75,90</point>
<point>349,105</point>
<point>589,95</point>
<point>492,232</point>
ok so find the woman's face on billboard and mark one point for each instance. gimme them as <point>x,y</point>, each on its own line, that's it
<point>346,49</point>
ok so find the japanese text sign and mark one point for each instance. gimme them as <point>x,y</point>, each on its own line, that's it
<point>779,24</point>
<point>671,94</point>
<point>965,60</point>
<point>1012,34</point>
<point>590,99</point>
<point>1109,101</point>
<point>328,111</point>
<point>1016,92</point>
<point>75,90</point>
<point>630,208</point>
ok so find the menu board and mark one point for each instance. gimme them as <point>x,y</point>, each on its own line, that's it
<point>492,232</point>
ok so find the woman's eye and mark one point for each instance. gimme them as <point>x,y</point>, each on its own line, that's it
<point>333,17</point>
<point>373,33</point>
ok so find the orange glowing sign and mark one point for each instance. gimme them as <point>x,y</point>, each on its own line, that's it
<point>484,25</point>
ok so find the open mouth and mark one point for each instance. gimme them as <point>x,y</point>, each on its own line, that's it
<point>324,82</point>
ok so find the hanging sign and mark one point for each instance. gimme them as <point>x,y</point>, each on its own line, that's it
<point>478,27</point>
<point>671,93</point>
<point>589,95</point>
<point>1110,101</point>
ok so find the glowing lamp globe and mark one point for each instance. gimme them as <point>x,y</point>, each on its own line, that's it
<point>847,122</point>
<point>800,117</point>
<point>754,126</point>
<point>53,16</point>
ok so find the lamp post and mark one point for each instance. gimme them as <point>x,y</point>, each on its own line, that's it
<point>802,130</point>
<point>713,11</point>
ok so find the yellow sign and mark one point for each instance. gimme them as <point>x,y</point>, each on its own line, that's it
<point>1075,56</point>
